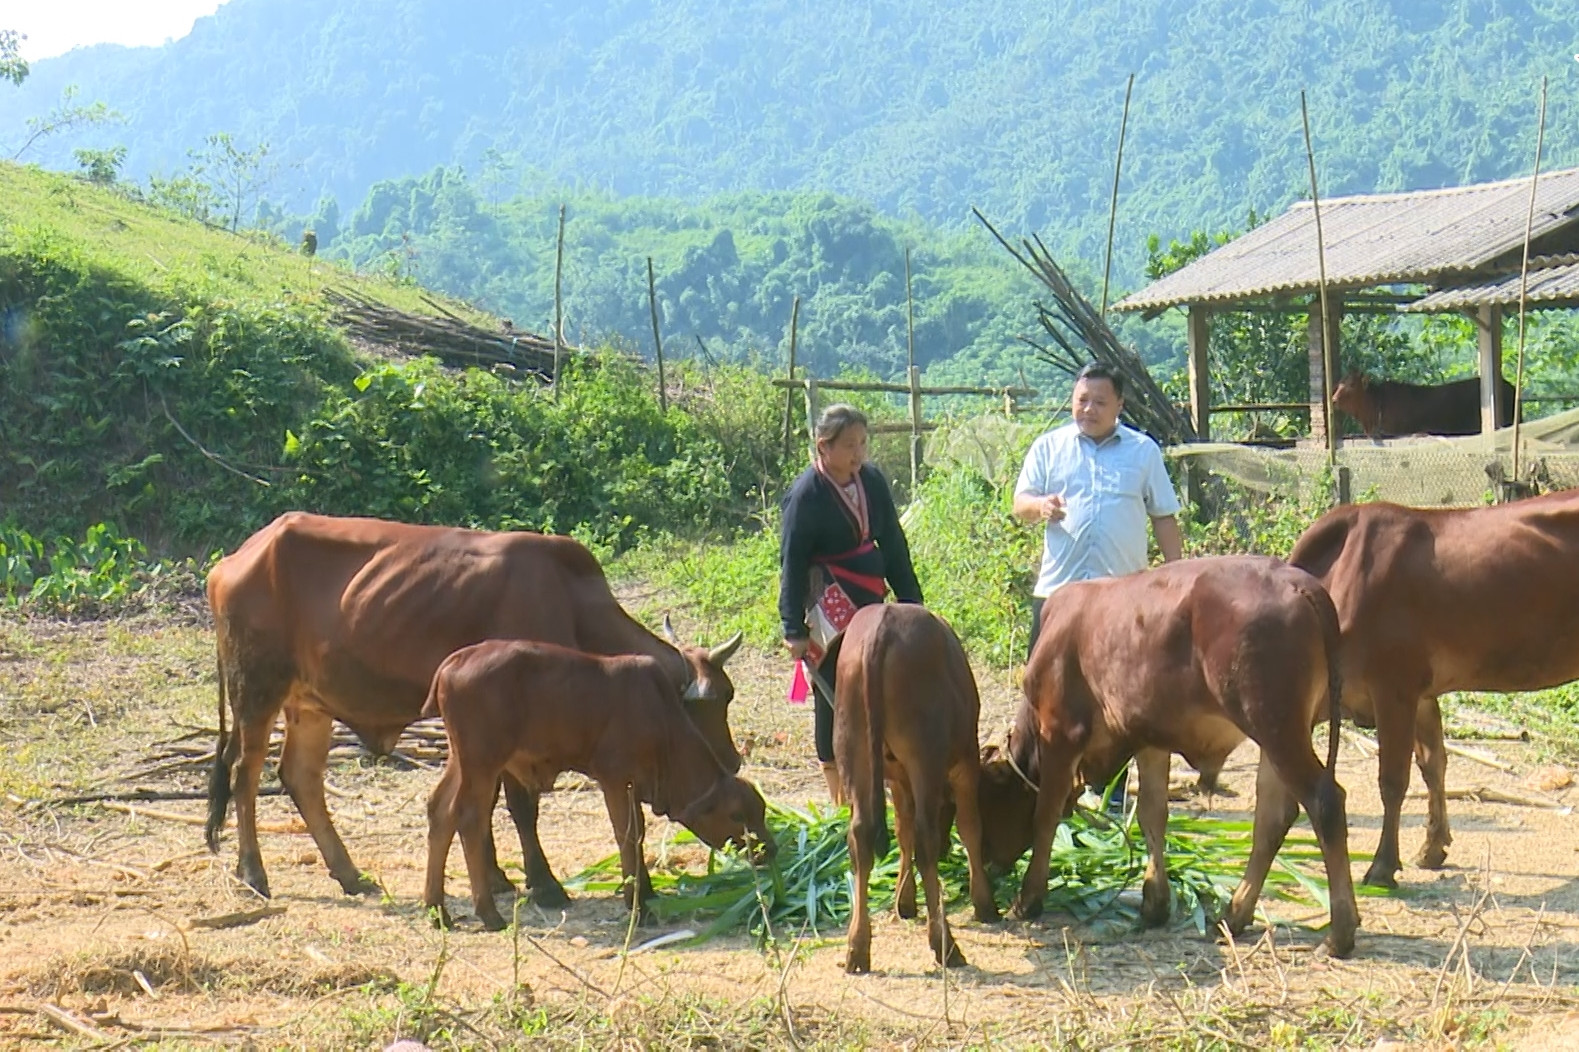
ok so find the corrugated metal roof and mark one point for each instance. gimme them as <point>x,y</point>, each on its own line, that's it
<point>1553,282</point>
<point>1374,239</point>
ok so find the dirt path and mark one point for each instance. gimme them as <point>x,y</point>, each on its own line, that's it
<point>97,910</point>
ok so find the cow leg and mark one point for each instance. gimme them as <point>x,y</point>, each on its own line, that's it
<point>1431,756</point>
<point>1156,897</point>
<point>965,780</point>
<point>545,890</point>
<point>497,879</point>
<point>473,815</point>
<point>863,849</point>
<point>441,834</point>
<point>254,736</point>
<point>308,732</point>
<point>1058,762</point>
<point>905,832</point>
<point>928,807</point>
<point>1395,719</point>
<point>630,826</point>
<point>1276,809</point>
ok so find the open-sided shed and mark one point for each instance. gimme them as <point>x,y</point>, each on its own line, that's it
<point>1457,249</point>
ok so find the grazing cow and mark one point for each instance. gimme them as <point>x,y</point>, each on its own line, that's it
<point>533,710</point>
<point>905,711</point>
<point>348,619</point>
<point>1189,658</point>
<point>1386,408</point>
<point>1436,600</point>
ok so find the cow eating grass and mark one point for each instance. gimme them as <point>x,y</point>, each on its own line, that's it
<point>1191,658</point>
<point>332,618</point>
<point>905,712</point>
<point>531,711</point>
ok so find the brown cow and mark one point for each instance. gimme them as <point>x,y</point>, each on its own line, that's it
<point>905,711</point>
<point>1438,600</point>
<point>1188,658</point>
<point>1385,408</point>
<point>534,710</point>
<point>348,619</point>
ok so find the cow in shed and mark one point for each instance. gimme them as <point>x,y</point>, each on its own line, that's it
<point>344,618</point>
<point>1438,600</point>
<point>905,712</point>
<point>1386,408</point>
<point>533,710</point>
<point>1191,658</point>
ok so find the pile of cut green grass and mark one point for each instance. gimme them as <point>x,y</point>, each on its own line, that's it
<point>1094,861</point>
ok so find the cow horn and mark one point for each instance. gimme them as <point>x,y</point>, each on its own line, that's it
<point>725,650</point>
<point>668,632</point>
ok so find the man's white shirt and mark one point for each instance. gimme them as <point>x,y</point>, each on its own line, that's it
<point>1111,490</point>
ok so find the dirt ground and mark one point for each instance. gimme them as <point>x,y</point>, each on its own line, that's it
<point>108,919</point>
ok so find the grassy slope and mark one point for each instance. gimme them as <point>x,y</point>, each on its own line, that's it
<point>166,252</point>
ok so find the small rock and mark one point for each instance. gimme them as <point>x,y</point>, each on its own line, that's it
<point>1549,779</point>
<point>579,942</point>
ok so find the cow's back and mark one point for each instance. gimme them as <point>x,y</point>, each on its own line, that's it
<point>1453,599</point>
<point>363,611</point>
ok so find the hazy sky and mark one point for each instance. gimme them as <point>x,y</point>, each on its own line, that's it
<point>54,28</point>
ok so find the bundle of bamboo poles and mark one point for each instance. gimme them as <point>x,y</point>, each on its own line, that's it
<point>1079,335</point>
<point>446,336</point>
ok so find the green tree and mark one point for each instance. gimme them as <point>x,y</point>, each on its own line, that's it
<point>13,66</point>
<point>237,176</point>
<point>101,166</point>
<point>65,116</point>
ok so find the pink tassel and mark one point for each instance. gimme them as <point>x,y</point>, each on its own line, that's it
<point>800,687</point>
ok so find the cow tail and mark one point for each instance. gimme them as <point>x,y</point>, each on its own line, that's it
<point>1332,638</point>
<point>874,798</point>
<point>224,760</point>
<point>430,708</point>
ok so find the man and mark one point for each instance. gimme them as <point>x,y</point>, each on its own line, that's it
<point>1094,483</point>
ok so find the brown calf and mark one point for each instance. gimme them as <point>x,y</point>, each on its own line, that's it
<point>1190,658</point>
<point>532,710</point>
<point>905,711</point>
<point>1390,407</point>
<point>1437,600</point>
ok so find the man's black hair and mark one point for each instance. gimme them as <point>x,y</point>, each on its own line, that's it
<point>1102,371</point>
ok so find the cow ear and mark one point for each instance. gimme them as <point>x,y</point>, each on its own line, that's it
<point>668,632</point>
<point>724,651</point>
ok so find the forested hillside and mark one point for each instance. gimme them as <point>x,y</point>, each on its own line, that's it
<point>919,107</point>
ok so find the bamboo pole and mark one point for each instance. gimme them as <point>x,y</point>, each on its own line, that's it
<point>1524,284</point>
<point>657,340</point>
<point>1112,214</point>
<point>789,393</point>
<point>915,430</point>
<point>811,413</point>
<point>559,311</point>
<point>1328,366</point>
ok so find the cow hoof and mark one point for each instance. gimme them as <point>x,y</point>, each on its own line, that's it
<point>549,896</point>
<point>1154,909</point>
<point>492,921</point>
<point>1432,856</point>
<point>440,918</point>
<point>956,957</point>
<point>1381,877</point>
<point>858,963</point>
<point>254,880</point>
<point>1341,946</point>
<point>987,915</point>
<point>906,910</point>
<point>1027,909</point>
<point>361,884</point>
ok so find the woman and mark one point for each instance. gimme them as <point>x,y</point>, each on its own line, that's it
<point>841,549</point>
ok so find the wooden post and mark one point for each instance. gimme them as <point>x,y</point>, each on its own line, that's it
<point>910,317</point>
<point>559,311</point>
<point>1200,387</point>
<point>789,392</point>
<point>1112,214</point>
<point>657,340</point>
<point>1488,322</point>
<point>811,413</point>
<point>1008,403</point>
<point>915,430</point>
<point>1320,400</point>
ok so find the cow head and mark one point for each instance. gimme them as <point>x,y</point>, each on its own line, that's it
<point>707,693</point>
<point>732,813</point>
<point>1008,810</point>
